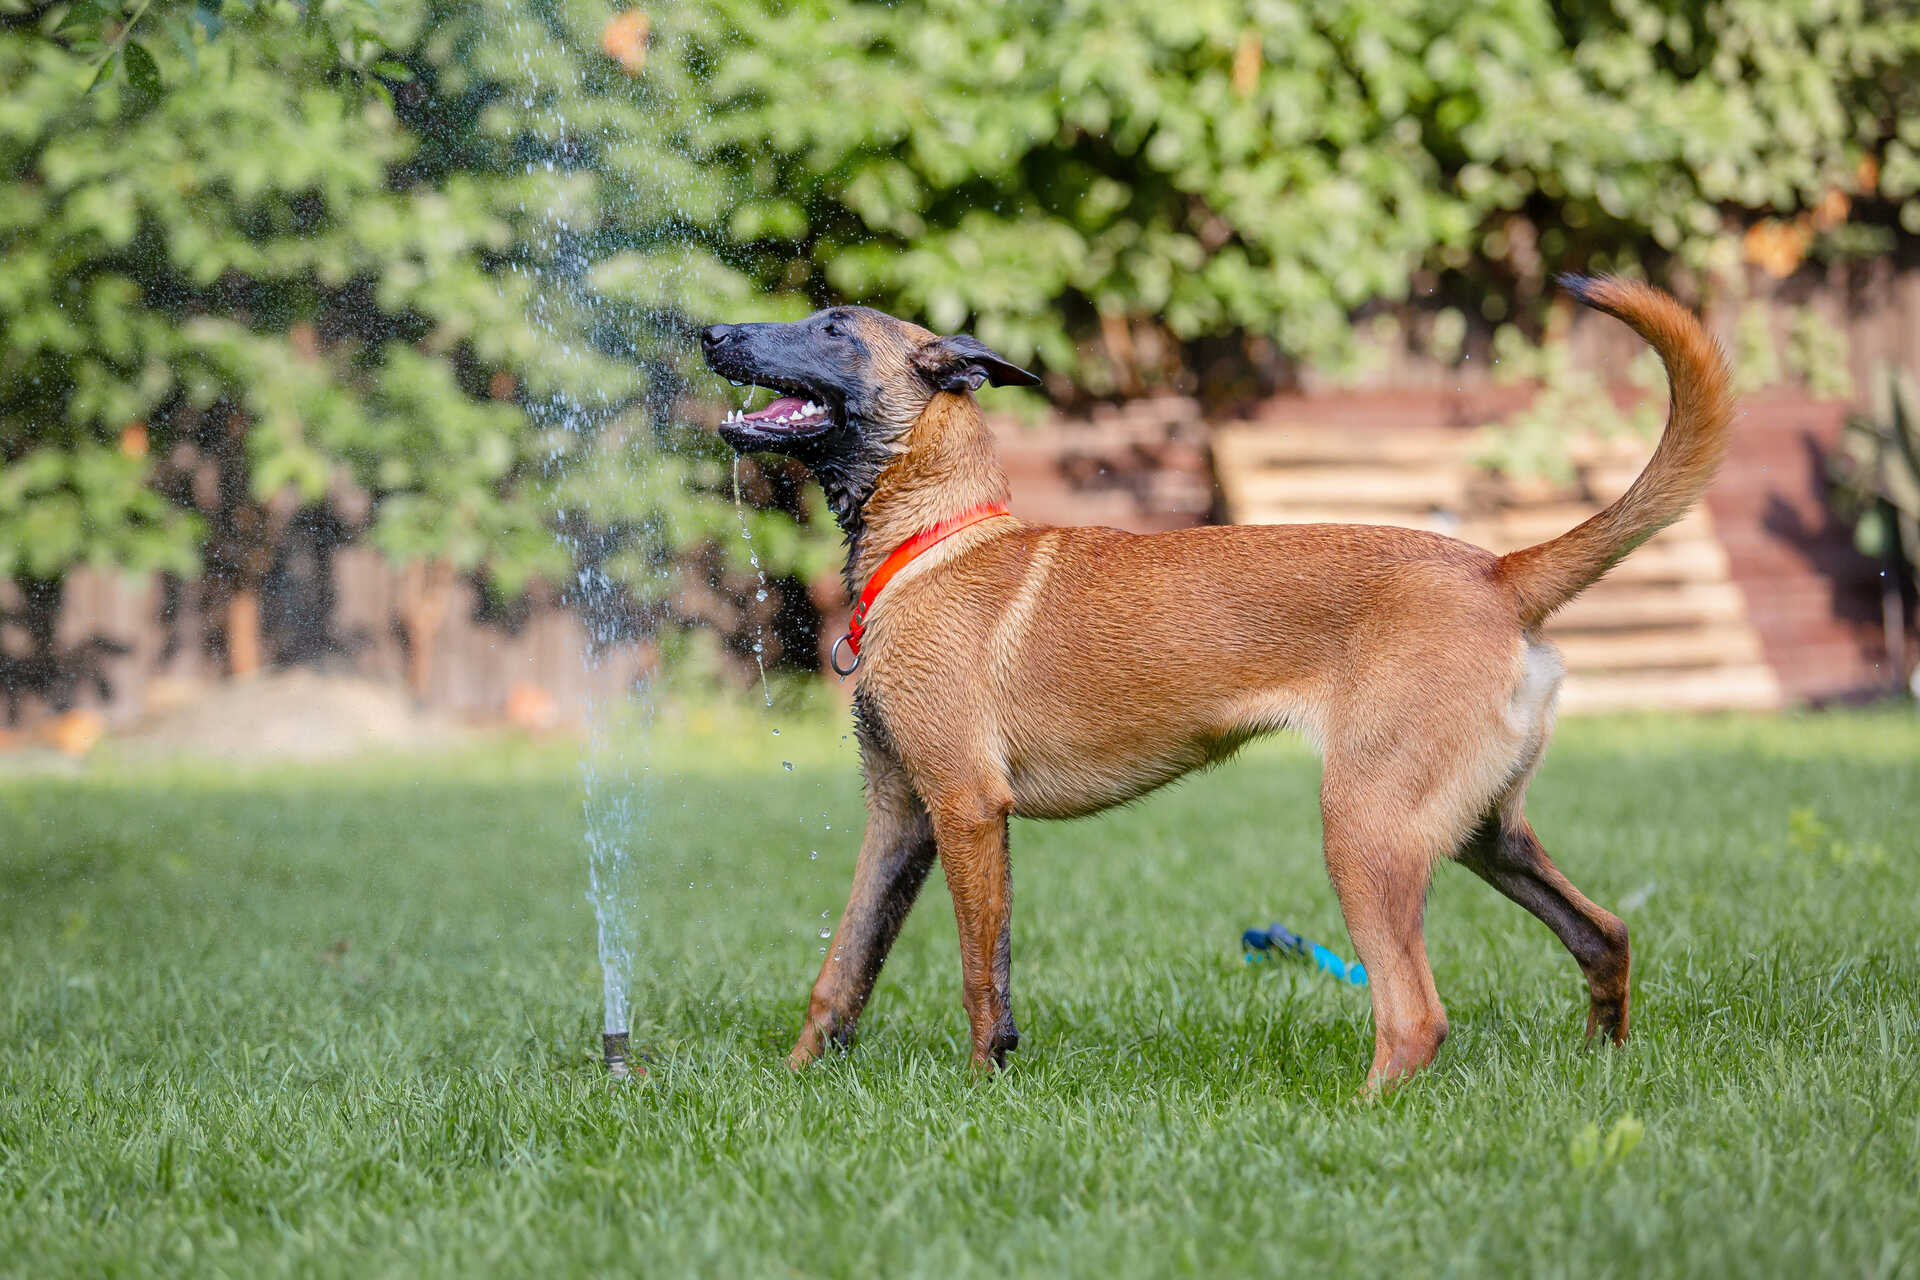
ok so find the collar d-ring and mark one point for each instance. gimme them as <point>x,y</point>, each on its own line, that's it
<point>833,658</point>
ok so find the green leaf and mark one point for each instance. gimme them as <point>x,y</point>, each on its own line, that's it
<point>142,72</point>
<point>85,17</point>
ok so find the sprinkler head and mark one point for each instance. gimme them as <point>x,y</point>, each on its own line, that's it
<point>613,1046</point>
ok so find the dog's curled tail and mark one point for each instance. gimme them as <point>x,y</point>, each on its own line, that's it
<point>1544,577</point>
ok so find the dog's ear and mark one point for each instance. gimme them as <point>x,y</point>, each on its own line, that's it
<point>962,363</point>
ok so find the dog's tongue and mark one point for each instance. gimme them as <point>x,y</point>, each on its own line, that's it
<point>784,407</point>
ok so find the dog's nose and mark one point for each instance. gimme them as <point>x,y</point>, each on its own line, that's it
<point>715,336</point>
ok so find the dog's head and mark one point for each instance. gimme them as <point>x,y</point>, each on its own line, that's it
<point>851,383</point>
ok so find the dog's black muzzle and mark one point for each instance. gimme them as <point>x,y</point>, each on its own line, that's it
<point>775,356</point>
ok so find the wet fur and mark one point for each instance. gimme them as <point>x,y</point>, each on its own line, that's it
<point>1053,672</point>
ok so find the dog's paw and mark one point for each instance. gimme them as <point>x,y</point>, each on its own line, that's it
<point>824,1030</point>
<point>1608,1019</point>
<point>991,1057</point>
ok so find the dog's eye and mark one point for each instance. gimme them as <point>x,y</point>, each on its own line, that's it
<point>834,330</point>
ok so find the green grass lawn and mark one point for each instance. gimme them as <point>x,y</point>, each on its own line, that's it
<point>343,1020</point>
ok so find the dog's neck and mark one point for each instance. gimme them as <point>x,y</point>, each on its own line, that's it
<point>947,468</point>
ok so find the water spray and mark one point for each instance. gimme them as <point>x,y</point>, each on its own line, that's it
<point>641,328</point>
<point>610,813</point>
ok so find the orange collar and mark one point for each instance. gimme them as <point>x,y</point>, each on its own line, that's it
<point>903,555</point>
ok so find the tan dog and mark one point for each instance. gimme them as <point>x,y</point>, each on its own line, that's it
<point>1011,668</point>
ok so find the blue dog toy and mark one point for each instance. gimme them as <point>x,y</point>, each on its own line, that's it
<point>1264,944</point>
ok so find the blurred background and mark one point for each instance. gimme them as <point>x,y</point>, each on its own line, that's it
<point>347,395</point>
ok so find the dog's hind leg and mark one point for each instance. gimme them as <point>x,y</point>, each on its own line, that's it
<point>1507,855</point>
<point>1380,869</point>
<point>972,831</point>
<point>895,856</point>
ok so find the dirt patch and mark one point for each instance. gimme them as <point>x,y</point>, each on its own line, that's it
<point>292,715</point>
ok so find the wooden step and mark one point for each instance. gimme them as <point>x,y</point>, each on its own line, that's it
<point>1398,517</point>
<point>1675,555</point>
<point>1607,483</point>
<point>1600,651</point>
<point>1632,606</point>
<point>1351,486</point>
<point>1524,526</point>
<point>1746,687</point>
<point>1501,532</point>
<point>1682,559</point>
<point>1259,450</point>
<point>1291,446</point>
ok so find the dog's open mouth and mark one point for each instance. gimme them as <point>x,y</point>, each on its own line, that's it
<point>788,413</point>
<point>788,417</point>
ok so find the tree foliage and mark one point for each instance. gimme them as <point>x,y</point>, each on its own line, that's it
<point>109,38</point>
<point>233,270</point>
<point>1268,168</point>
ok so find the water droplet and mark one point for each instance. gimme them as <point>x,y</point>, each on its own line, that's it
<point>826,933</point>
<point>787,765</point>
<point>813,855</point>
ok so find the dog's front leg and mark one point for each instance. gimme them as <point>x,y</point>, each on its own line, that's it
<point>895,856</point>
<point>972,834</point>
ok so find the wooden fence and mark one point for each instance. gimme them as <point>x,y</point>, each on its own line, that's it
<point>478,662</point>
